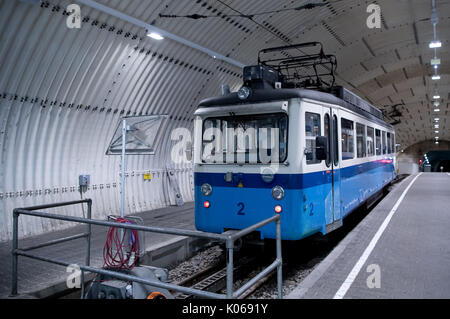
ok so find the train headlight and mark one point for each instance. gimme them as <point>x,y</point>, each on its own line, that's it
<point>278,192</point>
<point>243,93</point>
<point>267,175</point>
<point>206,189</point>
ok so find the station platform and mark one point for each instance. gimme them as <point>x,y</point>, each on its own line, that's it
<point>39,279</point>
<point>401,249</point>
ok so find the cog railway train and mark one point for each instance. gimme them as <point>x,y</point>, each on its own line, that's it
<point>330,151</point>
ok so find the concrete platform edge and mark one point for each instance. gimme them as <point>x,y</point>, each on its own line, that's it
<point>301,290</point>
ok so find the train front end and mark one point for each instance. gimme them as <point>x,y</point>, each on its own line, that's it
<point>246,162</point>
<point>241,175</point>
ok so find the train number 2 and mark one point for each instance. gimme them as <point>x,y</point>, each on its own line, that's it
<point>241,211</point>
<point>311,209</point>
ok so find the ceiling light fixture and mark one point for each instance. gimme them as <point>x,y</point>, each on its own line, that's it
<point>155,36</point>
<point>435,44</point>
<point>435,61</point>
<point>436,77</point>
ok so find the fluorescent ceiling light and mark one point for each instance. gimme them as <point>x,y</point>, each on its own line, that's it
<point>436,118</point>
<point>436,77</point>
<point>436,96</point>
<point>436,126</point>
<point>436,110</point>
<point>436,103</point>
<point>435,62</point>
<point>155,36</point>
<point>435,44</point>
<point>437,132</point>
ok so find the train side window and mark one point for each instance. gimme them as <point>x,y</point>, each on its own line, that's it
<point>370,141</point>
<point>326,124</point>
<point>389,147</point>
<point>347,135</point>
<point>312,130</point>
<point>378,141</point>
<point>336,141</point>
<point>393,143</point>
<point>360,140</point>
<point>384,142</point>
<point>390,143</point>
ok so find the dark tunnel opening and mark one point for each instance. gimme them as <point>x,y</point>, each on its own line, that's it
<point>443,166</point>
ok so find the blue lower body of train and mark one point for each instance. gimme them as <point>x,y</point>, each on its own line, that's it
<point>311,202</point>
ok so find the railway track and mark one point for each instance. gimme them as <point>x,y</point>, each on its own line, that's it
<point>214,278</point>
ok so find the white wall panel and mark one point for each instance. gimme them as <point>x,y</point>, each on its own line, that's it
<point>64,93</point>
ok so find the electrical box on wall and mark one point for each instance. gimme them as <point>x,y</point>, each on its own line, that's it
<point>83,182</point>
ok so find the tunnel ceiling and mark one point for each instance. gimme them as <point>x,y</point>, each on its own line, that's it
<point>388,66</point>
<point>62,91</point>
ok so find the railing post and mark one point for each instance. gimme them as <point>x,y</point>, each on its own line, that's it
<point>230,250</point>
<point>82,284</point>
<point>280,260</point>
<point>88,245</point>
<point>15,246</point>
<point>89,231</point>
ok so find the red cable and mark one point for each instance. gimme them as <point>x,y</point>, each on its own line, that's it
<point>118,251</point>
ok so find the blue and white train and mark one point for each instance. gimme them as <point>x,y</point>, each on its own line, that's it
<point>333,150</point>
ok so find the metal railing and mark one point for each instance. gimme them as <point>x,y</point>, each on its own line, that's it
<point>229,240</point>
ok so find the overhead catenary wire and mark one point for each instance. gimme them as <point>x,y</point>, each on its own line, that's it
<point>196,16</point>
<point>287,41</point>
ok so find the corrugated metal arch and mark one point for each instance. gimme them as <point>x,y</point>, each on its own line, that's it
<point>63,91</point>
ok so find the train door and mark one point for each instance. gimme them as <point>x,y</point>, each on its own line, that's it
<point>331,131</point>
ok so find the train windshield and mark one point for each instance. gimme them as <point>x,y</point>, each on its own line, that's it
<point>252,139</point>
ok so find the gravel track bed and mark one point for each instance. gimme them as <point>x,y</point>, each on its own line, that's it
<point>196,263</point>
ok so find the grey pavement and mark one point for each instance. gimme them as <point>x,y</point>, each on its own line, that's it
<point>413,253</point>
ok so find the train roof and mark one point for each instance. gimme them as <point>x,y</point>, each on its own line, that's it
<point>302,71</point>
<point>352,102</point>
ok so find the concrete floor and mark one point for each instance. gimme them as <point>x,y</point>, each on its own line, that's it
<point>412,254</point>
